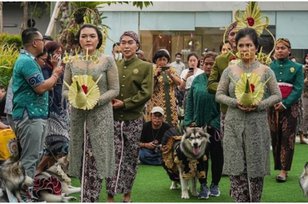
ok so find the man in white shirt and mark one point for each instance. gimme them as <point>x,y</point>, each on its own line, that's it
<point>178,64</point>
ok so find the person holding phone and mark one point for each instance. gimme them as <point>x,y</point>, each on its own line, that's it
<point>165,82</point>
<point>189,74</point>
<point>57,138</point>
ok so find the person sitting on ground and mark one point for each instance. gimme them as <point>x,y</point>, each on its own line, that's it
<point>151,136</point>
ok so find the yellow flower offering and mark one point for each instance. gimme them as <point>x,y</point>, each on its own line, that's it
<point>249,89</point>
<point>83,92</point>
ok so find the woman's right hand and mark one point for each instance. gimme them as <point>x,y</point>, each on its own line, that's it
<point>55,59</point>
<point>189,73</point>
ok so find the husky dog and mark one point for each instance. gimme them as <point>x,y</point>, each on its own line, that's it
<point>303,180</point>
<point>12,180</point>
<point>184,159</point>
<point>61,184</point>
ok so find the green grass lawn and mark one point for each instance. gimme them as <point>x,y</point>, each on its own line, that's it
<point>152,185</point>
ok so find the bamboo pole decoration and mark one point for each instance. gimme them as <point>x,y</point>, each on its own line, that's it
<point>55,14</point>
<point>87,54</point>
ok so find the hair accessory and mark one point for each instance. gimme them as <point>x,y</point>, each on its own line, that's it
<point>253,18</point>
<point>285,41</point>
<point>131,34</point>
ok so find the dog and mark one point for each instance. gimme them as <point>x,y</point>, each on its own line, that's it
<point>303,180</point>
<point>54,185</point>
<point>184,159</point>
<point>13,180</point>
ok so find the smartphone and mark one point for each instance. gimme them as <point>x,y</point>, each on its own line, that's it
<point>59,62</point>
<point>190,69</point>
<point>164,68</point>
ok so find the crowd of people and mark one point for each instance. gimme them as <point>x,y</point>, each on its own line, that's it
<point>138,101</point>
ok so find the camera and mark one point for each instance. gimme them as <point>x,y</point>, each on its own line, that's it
<point>164,68</point>
<point>158,148</point>
<point>191,69</point>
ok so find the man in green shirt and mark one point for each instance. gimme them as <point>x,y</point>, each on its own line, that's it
<point>222,62</point>
<point>30,102</point>
<point>283,116</point>
<point>136,87</point>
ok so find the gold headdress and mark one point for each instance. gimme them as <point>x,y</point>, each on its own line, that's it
<point>253,18</point>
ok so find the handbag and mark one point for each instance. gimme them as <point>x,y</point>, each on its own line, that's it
<point>8,144</point>
<point>285,89</point>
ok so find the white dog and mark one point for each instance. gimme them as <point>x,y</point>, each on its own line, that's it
<point>303,180</point>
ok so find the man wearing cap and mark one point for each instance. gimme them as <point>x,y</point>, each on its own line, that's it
<point>151,137</point>
<point>136,88</point>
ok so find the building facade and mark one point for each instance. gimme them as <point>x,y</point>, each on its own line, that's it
<point>184,26</point>
<point>195,26</point>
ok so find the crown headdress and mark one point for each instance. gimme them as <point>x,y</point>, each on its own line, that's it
<point>253,18</point>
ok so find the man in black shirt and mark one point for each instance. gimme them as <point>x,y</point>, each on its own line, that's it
<point>151,136</point>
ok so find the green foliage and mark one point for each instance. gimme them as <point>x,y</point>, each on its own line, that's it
<point>10,39</point>
<point>86,4</point>
<point>8,56</point>
<point>39,9</point>
<point>138,4</point>
<point>88,12</point>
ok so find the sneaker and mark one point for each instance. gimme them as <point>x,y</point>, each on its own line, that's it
<point>214,190</point>
<point>204,192</point>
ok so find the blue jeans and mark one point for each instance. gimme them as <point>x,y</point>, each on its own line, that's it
<point>150,157</point>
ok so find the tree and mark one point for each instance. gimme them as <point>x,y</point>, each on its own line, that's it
<point>25,18</point>
<point>74,14</point>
